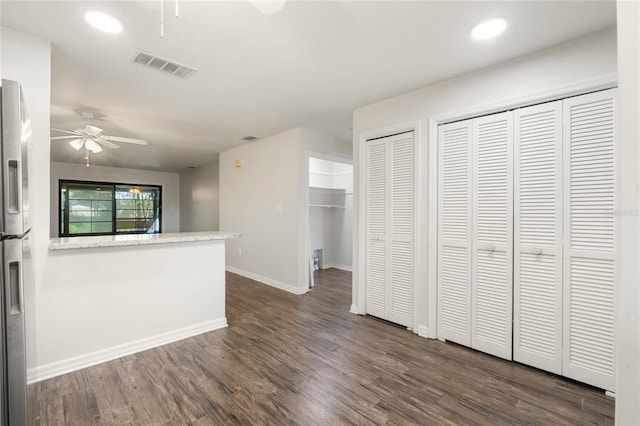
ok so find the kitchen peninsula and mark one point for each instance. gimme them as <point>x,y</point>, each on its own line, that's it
<point>111,296</point>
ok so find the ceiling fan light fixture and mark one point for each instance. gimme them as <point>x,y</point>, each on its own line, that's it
<point>77,144</point>
<point>103,22</point>
<point>93,146</point>
<point>489,29</point>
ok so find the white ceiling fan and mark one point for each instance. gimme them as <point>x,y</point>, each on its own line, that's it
<point>92,139</point>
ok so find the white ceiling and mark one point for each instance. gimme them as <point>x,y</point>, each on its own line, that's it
<point>310,65</point>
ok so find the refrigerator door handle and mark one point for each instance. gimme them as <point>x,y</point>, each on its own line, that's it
<point>13,186</point>
<point>14,297</point>
<point>15,288</point>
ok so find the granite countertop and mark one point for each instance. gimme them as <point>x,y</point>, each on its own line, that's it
<point>66,243</point>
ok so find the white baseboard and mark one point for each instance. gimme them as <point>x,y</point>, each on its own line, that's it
<point>265,280</point>
<point>58,368</point>
<point>337,266</point>
<point>354,310</point>
<point>423,331</point>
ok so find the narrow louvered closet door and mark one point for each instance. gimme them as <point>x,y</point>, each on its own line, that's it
<point>537,310</point>
<point>589,179</point>
<point>400,290</point>
<point>389,221</point>
<point>377,201</point>
<point>454,232</point>
<point>492,243</point>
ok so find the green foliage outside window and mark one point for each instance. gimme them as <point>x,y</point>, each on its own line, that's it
<point>89,208</point>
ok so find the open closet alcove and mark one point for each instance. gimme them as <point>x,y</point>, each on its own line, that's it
<point>330,214</point>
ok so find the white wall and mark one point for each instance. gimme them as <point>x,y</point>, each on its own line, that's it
<point>27,59</point>
<point>199,199</point>
<point>320,232</point>
<point>109,302</point>
<point>265,200</point>
<point>170,183</point>
<point>260,199</point>
<point>343,234</point>
<point>628,284</point>
<point>586,59</point>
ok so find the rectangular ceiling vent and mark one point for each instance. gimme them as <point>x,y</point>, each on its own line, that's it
<point>163,64</point>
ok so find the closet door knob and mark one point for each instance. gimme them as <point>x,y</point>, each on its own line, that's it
<point>491,249</point>
<point>537,251</point>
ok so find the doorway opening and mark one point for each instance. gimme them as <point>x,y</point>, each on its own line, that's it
<point>330,220</point>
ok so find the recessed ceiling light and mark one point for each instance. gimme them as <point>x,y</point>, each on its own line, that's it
<point>488,29</point>
<point>103,22</point>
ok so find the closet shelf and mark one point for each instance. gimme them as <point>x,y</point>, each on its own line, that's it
<point>327,197</point>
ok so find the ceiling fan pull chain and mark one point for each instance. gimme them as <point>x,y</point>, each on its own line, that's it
<point>86,156</point>
<point>176,8</point>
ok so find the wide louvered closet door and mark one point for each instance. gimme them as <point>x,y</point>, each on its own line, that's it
<point>526,235</point>
<point>537,310</point>
<point>377,202</point>
<point>589,179</point>
<point>492,251</point>
<point>390,228</point>
<point>454,232</point>
<point>400,289</point>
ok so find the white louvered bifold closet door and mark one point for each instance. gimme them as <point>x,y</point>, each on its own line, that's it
<point>537,298</point>
<point>400,290</point>
<point>492,242</point>
<point>454,232</point>
<point>377,201</point>
<point>589,185</point>
<point>390,228</point>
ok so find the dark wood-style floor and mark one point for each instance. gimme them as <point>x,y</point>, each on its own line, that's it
<point>306,360</point>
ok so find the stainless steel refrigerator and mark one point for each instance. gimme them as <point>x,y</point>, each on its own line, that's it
<point>15,247</point>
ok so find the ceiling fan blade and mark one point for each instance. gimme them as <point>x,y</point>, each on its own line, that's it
<point>93,146</point>
<point>105,143</point>
<point>55,138</point>
<point>125,140</point>
<point>65,131</point>
<point>77,143</point>
<point>92,130</point>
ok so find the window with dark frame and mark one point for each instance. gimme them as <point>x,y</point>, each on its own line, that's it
<point>106,208</point>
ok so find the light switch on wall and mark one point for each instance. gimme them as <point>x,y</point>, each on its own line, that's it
<point>278,207</point>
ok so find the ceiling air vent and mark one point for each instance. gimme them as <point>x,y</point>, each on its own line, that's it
<point>163,64</point>
<point>250,138</point>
